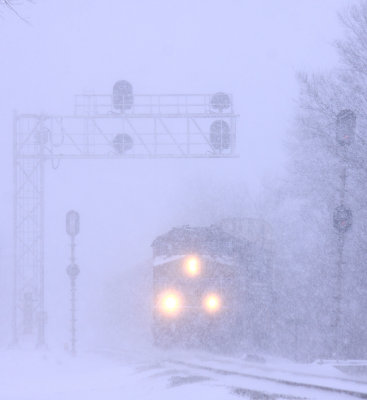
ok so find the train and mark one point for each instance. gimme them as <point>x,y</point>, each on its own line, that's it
<point>211,288</point>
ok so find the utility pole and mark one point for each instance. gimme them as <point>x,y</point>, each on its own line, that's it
<point>72,229</point>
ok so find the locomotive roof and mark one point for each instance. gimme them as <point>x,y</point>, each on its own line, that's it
<point>211,240</point>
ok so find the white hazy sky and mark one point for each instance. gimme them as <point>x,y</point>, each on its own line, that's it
<point>251,48</point>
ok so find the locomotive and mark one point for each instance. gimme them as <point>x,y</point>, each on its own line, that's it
<point>203,288</point>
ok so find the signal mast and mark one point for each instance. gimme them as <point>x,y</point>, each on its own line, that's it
<point>342,217</point>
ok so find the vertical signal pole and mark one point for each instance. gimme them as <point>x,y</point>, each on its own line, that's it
<point>343,218</point>
<point>72,229</point>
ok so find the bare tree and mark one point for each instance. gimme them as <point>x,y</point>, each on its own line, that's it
<point>314,188</point>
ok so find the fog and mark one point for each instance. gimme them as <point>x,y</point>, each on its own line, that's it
<point>251,49</point>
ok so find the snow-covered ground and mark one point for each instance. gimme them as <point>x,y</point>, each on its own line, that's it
<point>110,375</point>
<point>46,376</point>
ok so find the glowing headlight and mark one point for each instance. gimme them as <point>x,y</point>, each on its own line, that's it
<point>169,303</point>
<point>192,266</point>
<point>212,303</point>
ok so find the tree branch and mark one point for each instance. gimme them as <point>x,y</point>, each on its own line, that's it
<point>11,5</point>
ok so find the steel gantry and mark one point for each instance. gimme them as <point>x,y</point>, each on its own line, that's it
<point>101,127</point>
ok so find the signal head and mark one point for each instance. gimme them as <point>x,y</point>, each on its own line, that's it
<point>122,95</point>
<point>220,135</point>
<point>220,101</point>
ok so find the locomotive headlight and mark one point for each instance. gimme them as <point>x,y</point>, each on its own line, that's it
<point>212,303</point>
<point>192,266</point>
<point>169,303</point>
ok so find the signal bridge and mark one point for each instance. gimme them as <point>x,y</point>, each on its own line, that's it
<point>118,126</point>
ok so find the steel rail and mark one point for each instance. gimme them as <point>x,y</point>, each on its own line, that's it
<point>282,381</point>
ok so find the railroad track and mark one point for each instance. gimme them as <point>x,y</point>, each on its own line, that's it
<point>323,386</point>
<point>268,368</point>
<point>250,380</point>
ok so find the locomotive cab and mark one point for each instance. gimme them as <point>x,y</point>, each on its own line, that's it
<point>199,281</point>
